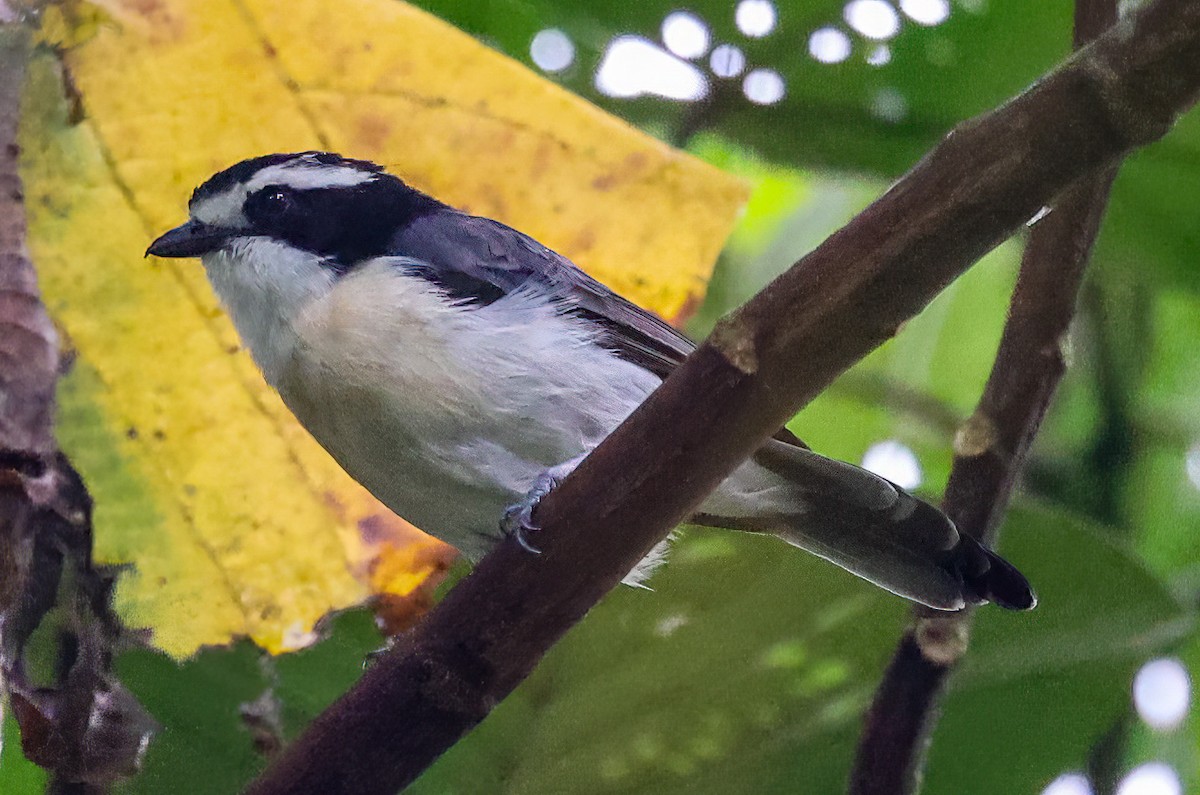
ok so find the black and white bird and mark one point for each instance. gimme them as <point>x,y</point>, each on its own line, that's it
<point>456,368</point>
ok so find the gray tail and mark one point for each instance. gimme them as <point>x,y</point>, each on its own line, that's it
<point>865,524</point>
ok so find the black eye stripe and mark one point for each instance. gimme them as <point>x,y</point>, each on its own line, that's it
<point>344,224</point>
<point>270,202</point>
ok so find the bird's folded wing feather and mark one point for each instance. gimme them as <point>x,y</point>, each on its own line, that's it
<point>483,260</point>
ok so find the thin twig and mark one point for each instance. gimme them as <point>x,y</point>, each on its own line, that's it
<point>990,449</point>
<point>759,366</point>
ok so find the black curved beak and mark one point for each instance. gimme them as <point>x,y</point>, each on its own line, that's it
<point>189,240</point>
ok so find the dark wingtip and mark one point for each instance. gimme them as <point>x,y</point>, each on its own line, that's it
<point>988,577</point>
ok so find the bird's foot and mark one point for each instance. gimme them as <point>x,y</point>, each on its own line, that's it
<point>518,518</point>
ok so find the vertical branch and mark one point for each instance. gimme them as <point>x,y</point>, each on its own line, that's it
<point>29,346</point>
<point>84,727</point>
<point>990,450</point>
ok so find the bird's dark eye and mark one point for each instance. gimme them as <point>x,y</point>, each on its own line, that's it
<point>270,203</point>
<point>277,202</point>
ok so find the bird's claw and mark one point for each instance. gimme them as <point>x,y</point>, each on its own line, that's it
<point>518,522</point>
<point>518,519</point>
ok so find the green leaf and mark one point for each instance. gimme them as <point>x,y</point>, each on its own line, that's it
<point>203,746</point>
<point>18,775</point>
<point>309,680</point>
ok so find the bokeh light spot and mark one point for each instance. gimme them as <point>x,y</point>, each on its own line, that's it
<point>1069,784</point>
<point>552,50</point>
<point>889,105</point>
<point>895,461</point>
<point>634,66</point>
<point>880,56</point>
<point>1152,778</point>
<point>669,625</point>
<point>685,34</point>
<point>829,45</point>
<point>755,18</point>
<point>1162,693</point>
<point>926,12</point>
<point>875,19</point>
<point>764,86</point>
<point>727,61</point>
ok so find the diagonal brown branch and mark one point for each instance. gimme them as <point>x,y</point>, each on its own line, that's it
<point>990,450</point>
<point>760,365</point>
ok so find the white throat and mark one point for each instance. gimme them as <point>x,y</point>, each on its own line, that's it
<point>264,285</point>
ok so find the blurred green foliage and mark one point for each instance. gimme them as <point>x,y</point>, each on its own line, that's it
<point>17,774</point>
<point>748,668</point>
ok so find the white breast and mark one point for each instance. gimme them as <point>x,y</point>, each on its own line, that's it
<point>263,285</point>
<point>448,412</point>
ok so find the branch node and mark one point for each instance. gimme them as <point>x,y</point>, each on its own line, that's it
<point>942,640</point>
<point>1127,117</point>
<point>1138,111</point>
<point>976,436</point>
<point>734,340</point>
<point>455,680</point>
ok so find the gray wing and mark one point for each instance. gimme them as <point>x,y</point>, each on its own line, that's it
<point>482,260</point>
<point>478,259</point>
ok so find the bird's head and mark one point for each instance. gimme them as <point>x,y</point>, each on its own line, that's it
<point>277,232</point>
<point>333,207</point>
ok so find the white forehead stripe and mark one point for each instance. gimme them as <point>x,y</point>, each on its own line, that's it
<point>225,208</point>
<point>307,175</point>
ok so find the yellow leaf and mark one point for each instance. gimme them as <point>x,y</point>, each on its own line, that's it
<point>235,521</point>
